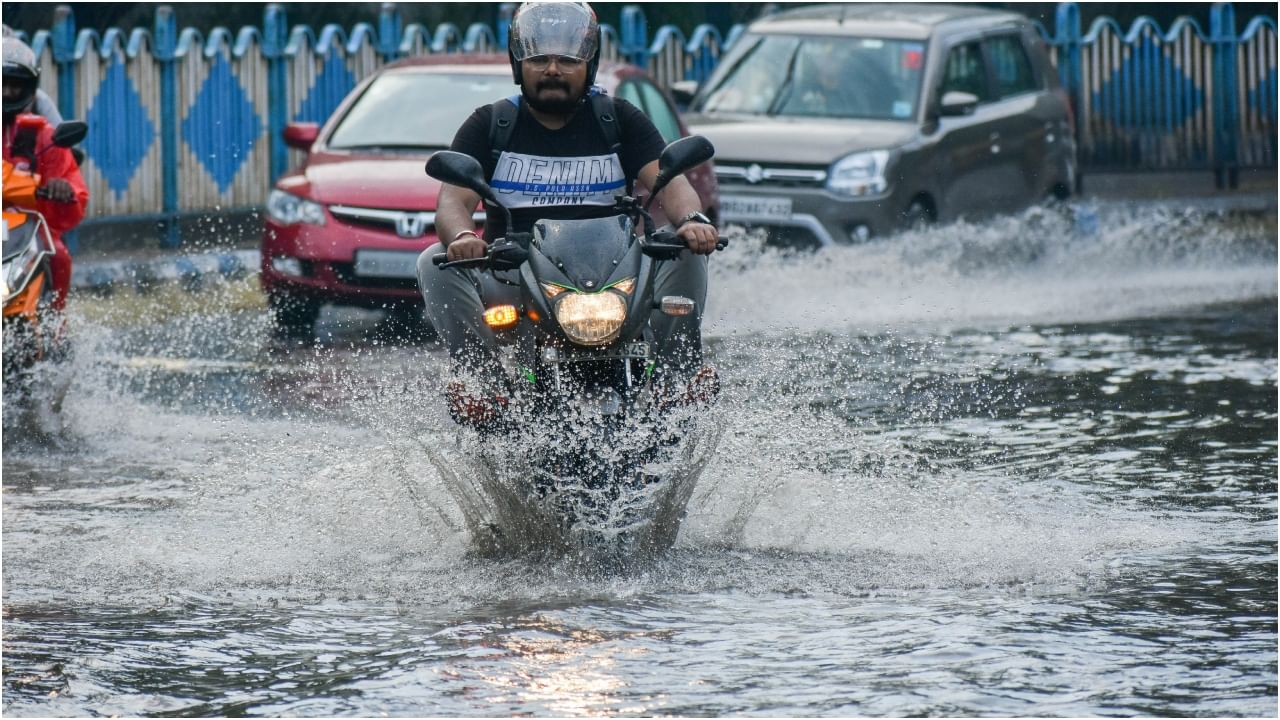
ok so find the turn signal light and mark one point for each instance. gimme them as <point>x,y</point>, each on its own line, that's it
<point>677,306</point>
<point>502,317</point>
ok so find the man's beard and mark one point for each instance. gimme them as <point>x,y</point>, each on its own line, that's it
<point>551,107</point>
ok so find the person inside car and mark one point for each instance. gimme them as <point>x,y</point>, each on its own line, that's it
<point>554,53</point>
<point>64,195</point>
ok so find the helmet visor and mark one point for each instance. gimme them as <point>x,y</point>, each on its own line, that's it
<point>19,89</point>
<point>554,28</point>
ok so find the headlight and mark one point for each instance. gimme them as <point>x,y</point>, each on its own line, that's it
<point>594,319</point>
<point>289,209</point>
<point>859,174</point>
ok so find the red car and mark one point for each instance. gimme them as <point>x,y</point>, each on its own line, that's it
<point>348,225</point>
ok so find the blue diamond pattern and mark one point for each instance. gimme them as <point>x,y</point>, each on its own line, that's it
<point>1173,100</point>
<point>121,134</point>
<point>331,86</point>
<point>221,127</point>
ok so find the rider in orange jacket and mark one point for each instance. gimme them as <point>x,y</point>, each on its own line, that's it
<point>64,196</point>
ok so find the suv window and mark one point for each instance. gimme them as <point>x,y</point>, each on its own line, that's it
<point>965,72</point>
<point>1013,74</point>
<point>817,76</point>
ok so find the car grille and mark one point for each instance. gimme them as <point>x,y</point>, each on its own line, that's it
<point>407,224</point>
<point>770,176</point>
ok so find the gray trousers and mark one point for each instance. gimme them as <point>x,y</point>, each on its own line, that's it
<point>455,305</point>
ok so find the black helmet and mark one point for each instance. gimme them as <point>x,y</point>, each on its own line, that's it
<point>20,69</point>
<point>555,28</point>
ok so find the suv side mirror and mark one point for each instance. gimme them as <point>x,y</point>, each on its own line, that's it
<point>301,135</point>
<point>958,104</point>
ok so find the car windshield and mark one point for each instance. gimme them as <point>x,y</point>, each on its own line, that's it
<point>416,110</point>
<point>820,76</point>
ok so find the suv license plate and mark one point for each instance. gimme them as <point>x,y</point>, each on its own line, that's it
<point>749,207</point>
<point>386,264</point>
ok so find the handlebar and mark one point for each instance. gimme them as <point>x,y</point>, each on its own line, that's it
<point>507,255</point>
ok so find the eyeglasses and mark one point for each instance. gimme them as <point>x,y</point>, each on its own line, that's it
<point>542,62</point>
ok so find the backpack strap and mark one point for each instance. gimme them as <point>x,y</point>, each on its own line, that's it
<point>606,117</point>
<point>602,108</point>
<point>502,124</point>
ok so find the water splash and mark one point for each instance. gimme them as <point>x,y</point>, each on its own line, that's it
<point>1037,267</point>
<point>298,471</point>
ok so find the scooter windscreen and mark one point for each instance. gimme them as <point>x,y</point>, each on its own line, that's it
<point>17,239</point>
<point>585,250</point>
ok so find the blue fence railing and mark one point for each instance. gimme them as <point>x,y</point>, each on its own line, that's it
<point>195,120</point>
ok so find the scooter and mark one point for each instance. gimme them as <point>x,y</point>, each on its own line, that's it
<point>33,330</point>
<point>592,451</point>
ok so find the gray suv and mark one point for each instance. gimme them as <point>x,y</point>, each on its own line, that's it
<point>838,123</point>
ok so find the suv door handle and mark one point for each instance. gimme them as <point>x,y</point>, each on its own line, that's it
<point>995,143</point>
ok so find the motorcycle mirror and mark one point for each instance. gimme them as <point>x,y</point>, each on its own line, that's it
<point>70,133</point>
<point>677,158</point>
<point>461,169</point>
<point>685,154</point>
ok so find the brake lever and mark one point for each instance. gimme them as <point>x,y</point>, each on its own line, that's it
<point>507,256</point>
<point>667,245</point>
<point>663,251</point>
<point>501,256</point>
<point>442,261</point>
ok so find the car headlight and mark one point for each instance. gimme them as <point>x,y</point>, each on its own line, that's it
<point>289,209</point>
<point>591,319</point>
<point>859,174</point>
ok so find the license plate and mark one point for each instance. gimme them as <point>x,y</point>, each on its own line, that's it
<point>749,207</point>
<point>386,263</point>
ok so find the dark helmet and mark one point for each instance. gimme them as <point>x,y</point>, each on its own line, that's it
<point>555,28</point>
<point>20,69</point>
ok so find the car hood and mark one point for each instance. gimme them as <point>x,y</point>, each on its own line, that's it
<point>392,182</point>
<point>796,140</point>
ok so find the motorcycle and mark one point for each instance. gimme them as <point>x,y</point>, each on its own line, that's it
<point>33,330</point>
<point>593,452</point>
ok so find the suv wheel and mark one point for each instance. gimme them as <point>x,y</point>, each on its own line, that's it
<point>294,316</point>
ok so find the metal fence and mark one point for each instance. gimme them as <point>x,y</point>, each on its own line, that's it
<point>1183,99</point>
<point>184,123</point>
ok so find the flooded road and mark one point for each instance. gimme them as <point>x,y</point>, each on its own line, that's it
<point>996,469</point>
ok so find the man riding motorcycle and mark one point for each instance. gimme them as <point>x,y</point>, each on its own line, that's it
<point>63,195</point>
<point>556,129</point>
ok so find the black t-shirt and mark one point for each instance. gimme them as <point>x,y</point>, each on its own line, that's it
<point>563,174</point>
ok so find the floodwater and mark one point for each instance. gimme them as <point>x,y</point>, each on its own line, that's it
<point>1011,468</point>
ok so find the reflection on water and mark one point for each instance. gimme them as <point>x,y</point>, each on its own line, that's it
<point>1006,469</point>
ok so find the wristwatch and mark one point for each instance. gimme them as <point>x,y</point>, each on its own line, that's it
<point>694,216</point>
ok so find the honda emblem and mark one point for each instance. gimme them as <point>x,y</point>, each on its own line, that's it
<point>411,225</point>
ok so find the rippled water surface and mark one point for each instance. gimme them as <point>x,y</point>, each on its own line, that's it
<point>1000,469</point>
